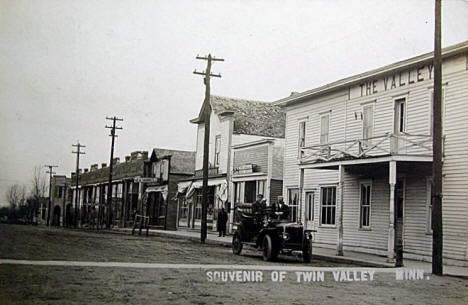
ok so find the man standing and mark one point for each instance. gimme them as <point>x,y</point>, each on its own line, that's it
<point>221,223</point>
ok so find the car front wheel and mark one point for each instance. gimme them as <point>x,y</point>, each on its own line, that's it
<point>269,251</point>
<point>236,244</point>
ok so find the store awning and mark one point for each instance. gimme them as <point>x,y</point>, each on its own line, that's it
<point>199,184</point>
<point>159,188</point>
<point>183,186</point>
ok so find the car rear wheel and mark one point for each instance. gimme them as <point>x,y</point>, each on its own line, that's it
<point>269,251</point>
<point>236,244</point>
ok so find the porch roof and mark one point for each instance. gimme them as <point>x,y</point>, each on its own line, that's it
<point>369,160</point>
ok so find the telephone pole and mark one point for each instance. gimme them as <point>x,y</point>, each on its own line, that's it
<point>437,234</point>
<point>78,152</point>
<point>50,172</point>
<point>114,119</point>
<point>206,117</point>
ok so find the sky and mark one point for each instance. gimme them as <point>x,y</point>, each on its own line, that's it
<point>65,65</point>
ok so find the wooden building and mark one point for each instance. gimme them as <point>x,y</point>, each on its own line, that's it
<point>233,122</point>
<point>358,158</point>
<point>140,186</point>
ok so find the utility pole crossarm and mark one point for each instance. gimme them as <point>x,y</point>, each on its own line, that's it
<point>204,73</point>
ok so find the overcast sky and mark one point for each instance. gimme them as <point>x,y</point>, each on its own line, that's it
<point>65,65</point>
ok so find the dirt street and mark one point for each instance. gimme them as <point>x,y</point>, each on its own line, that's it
<point>28,284</point>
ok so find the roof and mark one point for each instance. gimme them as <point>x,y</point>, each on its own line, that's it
<point>250,117</point>
<point>359,78</point>
<point>182,162</point>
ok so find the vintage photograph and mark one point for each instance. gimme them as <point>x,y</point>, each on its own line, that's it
<point>233,152</point>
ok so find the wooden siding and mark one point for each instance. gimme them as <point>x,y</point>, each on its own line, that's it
<point>257,155</point>
<point>455,166</point>
<point>276,189</point>
<point>344,125</point>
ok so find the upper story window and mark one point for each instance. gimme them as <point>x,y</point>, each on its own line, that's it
<point>400,116</point>
<point>302,136</point>
<point>217,150</point>
<point>324,128</point>
<point>367,121</point>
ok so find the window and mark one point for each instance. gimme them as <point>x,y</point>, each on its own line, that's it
<point>367,122</point>
<point>293,202</point>
<point>428,205</point>
<point>250,191</point>
<point>310,205</point>
<point>365,205</point>
<point>261,187</point>
<point>58,191</point>
<point>324,128</point>
<point>328,205</point>
<point>400,116</point>
<point>302,135</point>
<point>217,150</point>
<point>237,192</point>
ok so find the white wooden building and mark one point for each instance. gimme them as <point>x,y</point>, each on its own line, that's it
<point>358,157</point>
<point>233,122</point>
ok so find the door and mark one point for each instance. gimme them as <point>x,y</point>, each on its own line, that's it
<point>399,216</point>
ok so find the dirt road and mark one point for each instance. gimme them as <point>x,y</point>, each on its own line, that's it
<point>26,284</point>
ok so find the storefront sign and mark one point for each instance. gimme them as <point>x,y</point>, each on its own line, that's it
<point>392,81</point>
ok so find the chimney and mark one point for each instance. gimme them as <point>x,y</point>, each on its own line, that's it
<point>85,170</point>
<point>115,161</point>
<point>127,158</point>
<point>80,171</point>
<point>103,165</point>
<point>73,174</point>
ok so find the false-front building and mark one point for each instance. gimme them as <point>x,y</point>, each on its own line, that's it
<point>234,123</point>
<point>358,158</point>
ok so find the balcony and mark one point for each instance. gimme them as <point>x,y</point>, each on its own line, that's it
<point>388,144</point>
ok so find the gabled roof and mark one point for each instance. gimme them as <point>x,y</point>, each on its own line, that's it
<point>250,117</point>
<point>359,78</point>
<point>182,162</point>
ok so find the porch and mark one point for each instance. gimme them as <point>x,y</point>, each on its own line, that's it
<point>376,206</point>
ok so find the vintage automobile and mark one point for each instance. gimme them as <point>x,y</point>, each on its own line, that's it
<point>266,232</point>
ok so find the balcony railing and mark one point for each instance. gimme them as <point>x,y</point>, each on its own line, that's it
<point>387,144</point>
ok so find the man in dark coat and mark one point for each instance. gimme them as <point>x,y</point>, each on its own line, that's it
<point>221,223</point>
<point>281,209</point>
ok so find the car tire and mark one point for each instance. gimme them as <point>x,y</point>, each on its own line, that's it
<point>307,251</point>
<point>236,244</point>
<point>269,251</point>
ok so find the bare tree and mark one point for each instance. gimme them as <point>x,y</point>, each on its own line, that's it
<point>14,195</point>
<point>38,183</point>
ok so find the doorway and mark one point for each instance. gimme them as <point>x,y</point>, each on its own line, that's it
<point>399,217</point>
